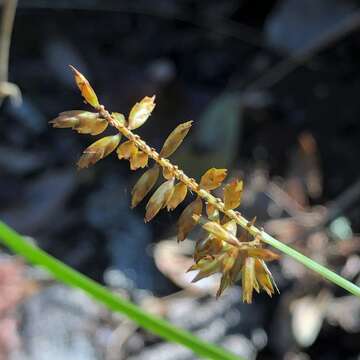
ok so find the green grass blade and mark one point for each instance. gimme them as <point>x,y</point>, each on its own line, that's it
<point>71,277</point>
<point>313,265</point>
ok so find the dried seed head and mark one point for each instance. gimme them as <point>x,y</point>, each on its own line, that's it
<point>144,185</point>
<point>178,196</point>
<point>141,112</point>
<point>86,90</point>
<point>232,194</point>
<point>186,221</point>
<point>213,178</point>
<point>159,199</point>
<point>98,150</point>
<point>84,122</point>
<point>175,139</point>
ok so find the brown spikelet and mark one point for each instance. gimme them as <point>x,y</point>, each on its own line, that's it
<point>175,139</point>
<point>212,178</point>
<point>178,196</point>
<point>138,160</point>
<point>144,185</point>
<point>212,212</point>
<point>159,199</point>
<point>186,221</point>
<point>126,150</point>
<point>232,194</point>
<point>98,150</point>
<point>85,88</point>
<point>219,232</point>
<point>141,112</point>
<point>249,281</point>
<point>84,122</point>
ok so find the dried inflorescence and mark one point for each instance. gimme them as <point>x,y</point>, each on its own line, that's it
<point>222,249</point>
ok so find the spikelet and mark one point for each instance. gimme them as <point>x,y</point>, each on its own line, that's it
<point>221,249</point>
<point>141,112</point>
<point>84,122</point>
<point>175,139</point>
<point>177,197</point>
<point>213,178</point>
<point>128,150</point>
<point>232,194</point>
<point>98,150</point>
<point>144,185</point>
<point>85,88</point>
<point>212,212</point>
<point>159,199</point>
<point>186,220</point>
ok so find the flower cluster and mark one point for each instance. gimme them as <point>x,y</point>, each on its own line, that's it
<point>221,249</point>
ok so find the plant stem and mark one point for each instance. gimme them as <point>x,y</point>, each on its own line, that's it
<point>235,215</point>
<point>71,277</point>
<point>313,265</point>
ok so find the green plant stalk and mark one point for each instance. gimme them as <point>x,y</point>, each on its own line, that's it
<point>311,264</point>
<point>71,277</point>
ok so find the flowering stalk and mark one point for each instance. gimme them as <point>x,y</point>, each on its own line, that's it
<point>222,250</point>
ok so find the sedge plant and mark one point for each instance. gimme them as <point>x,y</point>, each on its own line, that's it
<point>233,246</point>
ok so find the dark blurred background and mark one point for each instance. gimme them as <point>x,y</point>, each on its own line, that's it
<point>273,89</point>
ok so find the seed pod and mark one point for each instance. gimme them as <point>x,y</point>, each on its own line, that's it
<point>98,150</point>
<point>84,122</point>
<point>219,232</point>
<point>213,178</point>
<point>138,160</point>
<point>175,139</point>
<point>126,150</point>
<point>144,185</point>
<point>232,194</point>
<point>159,199</point>
<point>186,221</point>
<point>86,90</point>
<point>178,196</point>
<point>141,112</point>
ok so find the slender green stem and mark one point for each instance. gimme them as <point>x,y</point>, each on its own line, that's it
<point>71,277</point>
<point>311,264</point>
